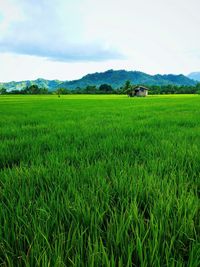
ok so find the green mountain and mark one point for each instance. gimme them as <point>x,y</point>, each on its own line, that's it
<point>195,76</point>
<point>42,83</point>
<point>116,78</point>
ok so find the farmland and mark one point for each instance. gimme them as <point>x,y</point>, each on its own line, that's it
<point>99,181</point>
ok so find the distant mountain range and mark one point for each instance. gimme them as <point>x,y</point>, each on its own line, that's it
<point>195,76</point>
<point>115,78</point>
<point>42,83</point>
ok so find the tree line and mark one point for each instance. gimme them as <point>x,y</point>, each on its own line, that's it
<point>105,89</point>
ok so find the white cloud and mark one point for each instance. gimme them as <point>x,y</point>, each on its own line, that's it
<point>157,36</point>
<point>51,30</point>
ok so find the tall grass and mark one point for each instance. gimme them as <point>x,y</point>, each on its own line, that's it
<point>99,181</point>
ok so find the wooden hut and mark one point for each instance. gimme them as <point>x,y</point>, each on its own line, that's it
<point>139,91</point>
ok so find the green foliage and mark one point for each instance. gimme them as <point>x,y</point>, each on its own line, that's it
<point>99,181</point>
<point>116,79</point>
<point>90,89</point>
<point>3,91</point>
<point>105,88</point>
<point>30,90</point>
<point>62,91</point>
<point>127,88</point>
<point>172,89</point>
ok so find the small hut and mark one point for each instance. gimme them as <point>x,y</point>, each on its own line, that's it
<point>139,91</point>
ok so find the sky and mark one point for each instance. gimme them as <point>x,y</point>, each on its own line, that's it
<point>66,39</point>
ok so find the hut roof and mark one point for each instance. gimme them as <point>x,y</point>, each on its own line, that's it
<point>139,87</point>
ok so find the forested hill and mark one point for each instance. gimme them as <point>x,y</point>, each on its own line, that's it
<point>41,83</point>
<point>115,78</point>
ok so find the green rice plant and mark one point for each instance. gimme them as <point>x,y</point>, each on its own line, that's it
<point>99,181</point>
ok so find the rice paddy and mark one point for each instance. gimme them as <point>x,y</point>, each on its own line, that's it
<point>99,181</point>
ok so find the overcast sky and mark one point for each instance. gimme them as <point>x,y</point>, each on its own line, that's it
<point>66,39</point>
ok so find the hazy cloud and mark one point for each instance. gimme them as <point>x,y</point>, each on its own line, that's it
<point>63,53</point>
<point>50,29</point>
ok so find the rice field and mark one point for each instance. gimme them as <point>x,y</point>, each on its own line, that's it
<point>99,181</point>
